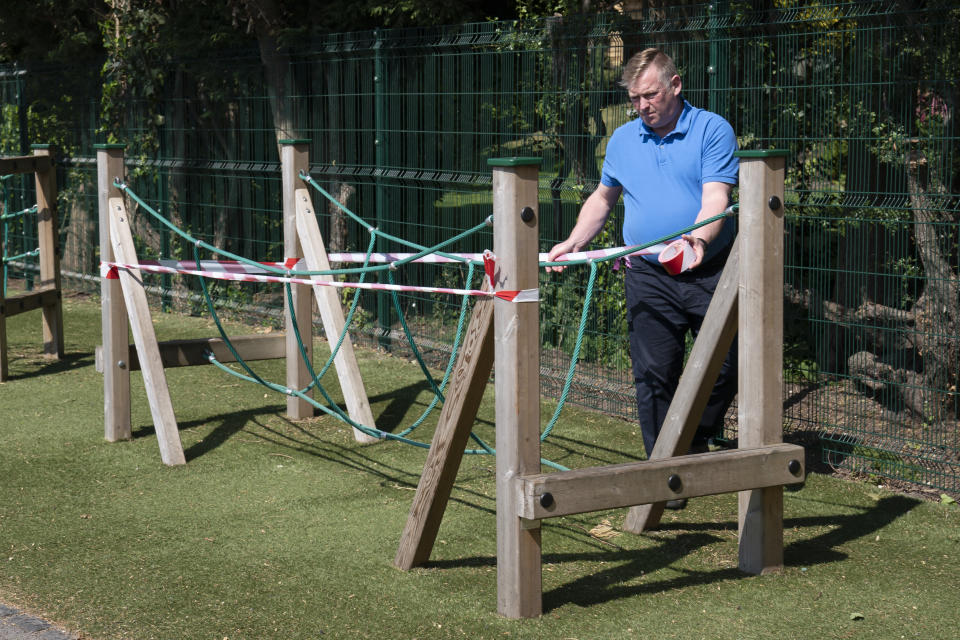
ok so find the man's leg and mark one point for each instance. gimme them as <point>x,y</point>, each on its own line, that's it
<point>657,327</point>
<point>699,287</point>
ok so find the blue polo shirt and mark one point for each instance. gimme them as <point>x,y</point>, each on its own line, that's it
<point>662,178</point>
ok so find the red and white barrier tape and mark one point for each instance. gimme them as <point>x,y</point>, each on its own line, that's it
<point>109,270</point>
<point>232,266</point>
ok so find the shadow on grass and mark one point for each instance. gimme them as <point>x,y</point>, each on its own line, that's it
<point>399,402</point>
<point>634,571</point>
<point>48,366</point>
<point>823,548</point>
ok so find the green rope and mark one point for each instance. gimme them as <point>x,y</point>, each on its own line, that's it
<point>457,341</point>
<point>413,346</point>
<point>18,214</point>
<point>28,254</point>
<point>575,356</point>
<point>353,309</point>
<point>730,212</point>
<point>424,250</point>
<point>287,272</point>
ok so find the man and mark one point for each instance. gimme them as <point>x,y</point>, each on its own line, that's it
<point>674,166</point>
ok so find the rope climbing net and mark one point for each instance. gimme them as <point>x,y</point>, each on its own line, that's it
<point>9,218</point>
<point>291,272</point>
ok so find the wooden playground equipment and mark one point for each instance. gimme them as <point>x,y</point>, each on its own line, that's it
<point>47,295</point>
<point>125,307</point>
<point>506,334</point>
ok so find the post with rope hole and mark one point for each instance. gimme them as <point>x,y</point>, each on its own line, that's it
<point>517,381</point>
<point>310,246</point>
<point>133,289</point>
<point>114,325</point>
<point>760,395</point>
<point>293,160</point>
<point>48,295</point>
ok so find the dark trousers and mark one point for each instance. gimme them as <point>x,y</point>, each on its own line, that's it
<point>661,310</point>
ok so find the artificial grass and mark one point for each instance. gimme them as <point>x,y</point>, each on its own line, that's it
<point>281,529</point>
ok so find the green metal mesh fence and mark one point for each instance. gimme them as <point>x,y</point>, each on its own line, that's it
<point>403,121</point>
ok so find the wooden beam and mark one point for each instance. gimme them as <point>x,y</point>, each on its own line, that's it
<point>49,244</point>
<point>23,302</point>
<point>517,383</point>
<point>760,398</point>
<point>293,159</point>
<point>114,326</point>
<point>649,481</point>
<point>145,338</point>
<point>693,391</point>
<point>469,380</point>
<point>331,313</point>
<point>193,352</point>
<point>25,164</point>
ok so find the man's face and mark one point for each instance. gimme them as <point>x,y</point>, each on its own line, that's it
<point>657,104</point>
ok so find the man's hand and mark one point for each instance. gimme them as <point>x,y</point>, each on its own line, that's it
<point>558,250</point>
<point>699,247</point>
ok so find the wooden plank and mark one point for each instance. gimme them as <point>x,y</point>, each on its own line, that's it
<point>331,313</point>
<point>517,387</point>
<point>693,391</point>
<point>114,327</point>
<point>193,352</point>
<point>760,399</point>
<point>145,338</point>
<point>648,481</point>
<point>49,258</point>
<point>25,164</point>
<point>24,302</point>
<point>293,159</point>
<point>469,380</point>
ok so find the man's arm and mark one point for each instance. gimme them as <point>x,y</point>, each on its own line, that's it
<point>713,201</point>
<point>593,215</point>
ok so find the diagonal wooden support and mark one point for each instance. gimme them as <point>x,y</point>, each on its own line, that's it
<point>693,391</point>
<point>144,336</point>
<point>328,301</point>
<point>470,376</point>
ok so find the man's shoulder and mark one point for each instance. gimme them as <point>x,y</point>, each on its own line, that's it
<point>630,127</point>
<point>701,118</point>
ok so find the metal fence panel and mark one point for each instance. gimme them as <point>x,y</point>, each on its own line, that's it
<point>402,123</point>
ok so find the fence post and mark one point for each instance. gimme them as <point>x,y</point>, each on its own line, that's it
<point>760,399</point>
<point>517,381</point>
<point>49,244</point>
<point>114,323</point>
<point>294,159</point>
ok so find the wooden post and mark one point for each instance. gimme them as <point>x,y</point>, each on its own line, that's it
<point>113,324</point>
<point>46,188</point>
<point>517,382</point>
<point>760,400</point>
<point>293,159</point>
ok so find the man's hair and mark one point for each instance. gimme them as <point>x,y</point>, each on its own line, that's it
<point>638,64</point>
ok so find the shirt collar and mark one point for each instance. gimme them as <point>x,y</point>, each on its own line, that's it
<point>683,123</point>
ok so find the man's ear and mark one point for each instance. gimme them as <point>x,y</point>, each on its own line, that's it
<point>676,85</point>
